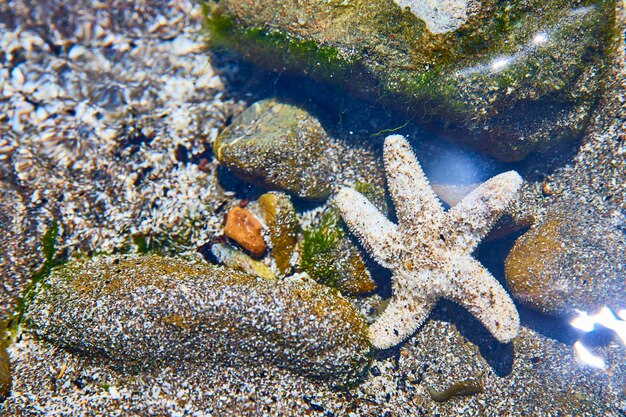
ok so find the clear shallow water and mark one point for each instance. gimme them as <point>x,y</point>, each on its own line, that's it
<point>147,172</point>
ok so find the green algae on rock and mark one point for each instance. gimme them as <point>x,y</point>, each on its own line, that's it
<point>571,260</point>
<point>280,217</point>
<point>143,312</point>
<point>51,258</point>
<point>330,257</point>
<point>280,147</point>
<point>514,77</point>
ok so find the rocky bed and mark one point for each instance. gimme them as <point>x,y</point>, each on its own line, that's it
<point>135,156</point>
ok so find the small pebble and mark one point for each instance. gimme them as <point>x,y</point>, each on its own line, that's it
<point>245,229</point>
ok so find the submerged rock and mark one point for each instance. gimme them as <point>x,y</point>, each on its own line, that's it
<point>573,257</point>
<point>235,259</point>
<point>572,260</point>
<point>6,380</point>
<point>280,217</point>
<point>284,148</point>
<point>329,256</point>
<point>280,147</point>
<point>242,227</point>
<point>507,78</point>
<point>147,312</point>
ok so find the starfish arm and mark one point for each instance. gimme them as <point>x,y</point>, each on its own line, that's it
<point>402,317</point>
<point>470,220</point>
<point>473,287</point>
<point>373,229</point>
<point>415,201</point>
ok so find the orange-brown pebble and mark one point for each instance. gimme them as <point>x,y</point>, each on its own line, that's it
<point>245,229</point>
<point>546,188</point>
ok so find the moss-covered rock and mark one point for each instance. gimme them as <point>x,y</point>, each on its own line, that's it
<point>280,217</point>
<point>144,312</point>
<point>280,147</point>
<point>330,258</point>
<point>328,254</point>
<point>505,77</point>
<point>572,260</point>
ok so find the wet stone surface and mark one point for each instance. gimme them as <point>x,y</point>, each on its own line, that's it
<point>281,219</point>
<point>153,312</point>
<point>242,227</point>
<point>572,260</point>
<point>574,251</point>
<point>506,78</point>
<point>280,147</point>
<point>536,375</point>
<point>6,380</point>
<point>285,148</point>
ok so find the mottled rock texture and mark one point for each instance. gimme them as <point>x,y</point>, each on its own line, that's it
<point>6,380</point>
<point>281,219</point>
<point>281,147</point>
<point>571,260</point>
<point>151,312</point>
<point>18,237</point>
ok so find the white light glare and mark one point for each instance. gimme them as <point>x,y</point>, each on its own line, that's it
<point>604,317</point>
<point>585,356</point>
<point>500,63</point>
<point>583,322</point>
<point>540,38</point>
<point>608,320</point>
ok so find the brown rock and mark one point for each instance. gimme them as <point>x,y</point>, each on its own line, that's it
<point>282,222</point>
<point>280,147</point>
<point>194,316</point>
<point>5,373</point>
<point>6,380</point>
<point>571,260</point>
<point>245,229</point>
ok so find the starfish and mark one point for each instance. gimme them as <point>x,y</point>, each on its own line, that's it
<point>429,250</point>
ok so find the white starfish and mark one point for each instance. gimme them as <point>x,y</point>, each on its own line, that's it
<point>429,250</point>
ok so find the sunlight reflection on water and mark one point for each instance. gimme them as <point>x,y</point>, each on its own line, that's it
<point>587,323</point>
<point>538,40</point>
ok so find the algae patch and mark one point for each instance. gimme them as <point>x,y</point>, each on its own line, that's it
<point>330,258</point>
<point>48,243</point>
